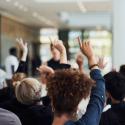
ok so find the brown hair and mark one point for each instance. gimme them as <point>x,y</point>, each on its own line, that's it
<point>18,77</point>
<point>66,88</point>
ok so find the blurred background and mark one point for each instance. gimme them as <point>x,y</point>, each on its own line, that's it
<point>101,21</point>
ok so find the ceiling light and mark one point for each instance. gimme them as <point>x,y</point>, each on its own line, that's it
<point>35,14</point>
<point>25,9</point>
<point>16,4</point>
<point>20,6</point>
<point>81,6</point>
<point>8,0</point>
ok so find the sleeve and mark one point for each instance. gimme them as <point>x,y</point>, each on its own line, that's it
<point>64,66</point>
<point>22,67</point>
<point>97,100</point>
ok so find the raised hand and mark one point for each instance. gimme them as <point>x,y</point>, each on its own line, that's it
<point>102,63</point>
<point>24,47</point>
<point>87,50</point>
<point>80,61</point>
<point>43,69</point>
<point>58,44</point>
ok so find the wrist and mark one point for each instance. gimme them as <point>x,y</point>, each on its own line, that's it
<point>92,61</point>
<point>25,52</point>
<point>63,51</point>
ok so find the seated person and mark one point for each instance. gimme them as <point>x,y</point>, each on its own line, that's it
<point>7,93</point>
<point>28,105</point>
<point>68,87</point>
<point>115,90</point>
<point>58,52</point>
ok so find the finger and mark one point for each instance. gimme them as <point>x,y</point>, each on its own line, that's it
<point>51,41</point>
<point>79,41</point>
<point>26,44</point>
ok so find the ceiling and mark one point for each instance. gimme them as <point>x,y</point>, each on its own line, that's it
<point>55,13</point>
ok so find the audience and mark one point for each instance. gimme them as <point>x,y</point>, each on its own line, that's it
<point>57,97</point>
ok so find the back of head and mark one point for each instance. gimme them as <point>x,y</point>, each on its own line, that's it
<point>28,91</point>
<point>115,85</point>
<point>13,51</point>
<point>66,88</point>
<point>122,70</point>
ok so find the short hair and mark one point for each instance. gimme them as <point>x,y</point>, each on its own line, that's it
<point>13,51</point>
<point>122,69</point>
<point>115,85</point>
<point>28,91</point>
<point>67,88</point>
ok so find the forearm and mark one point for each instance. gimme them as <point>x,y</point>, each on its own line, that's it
<point>63,57</point>
<point>97,99</point>
<point>81,68</point>
<point>24,57</point>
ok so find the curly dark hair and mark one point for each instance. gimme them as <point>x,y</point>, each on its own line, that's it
<point>66,88</point>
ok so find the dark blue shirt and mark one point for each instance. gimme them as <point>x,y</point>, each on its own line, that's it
<point>96,103</point>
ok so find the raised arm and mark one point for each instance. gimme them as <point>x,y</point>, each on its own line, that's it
<point>97,97</point>
<point>24,48</point>
<point>58,44</point>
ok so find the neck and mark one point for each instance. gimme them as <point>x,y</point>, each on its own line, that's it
<point>60,120</point>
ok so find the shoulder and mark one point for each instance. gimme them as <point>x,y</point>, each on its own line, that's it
<point>8,118</point>
<point>109,116</point>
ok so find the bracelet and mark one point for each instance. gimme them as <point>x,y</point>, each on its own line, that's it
<point>90,67</point>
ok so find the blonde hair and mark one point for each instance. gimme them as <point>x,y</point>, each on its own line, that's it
<point>28,91</point>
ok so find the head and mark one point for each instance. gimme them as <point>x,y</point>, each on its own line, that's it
<point>55,52</point>
<point>66,89</point>
<point>28,91</point>
<point>115,86</point>
<point>122,69</point>
<point>13,51</point>
<point>18,77</point>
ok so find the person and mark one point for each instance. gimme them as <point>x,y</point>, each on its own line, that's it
<point>11,63</point>
<point>55,61</point>
<point>8,93</point>
<point>8,118</point>
<point>2,78</point>
<point>80,61</point>
<point>115,91</point>
<point>28,105</point>
<point>68,87</point>
<point>46,71</point>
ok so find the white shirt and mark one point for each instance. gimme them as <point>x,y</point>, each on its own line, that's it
<point>2,78</point>
<point>9,62</point>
